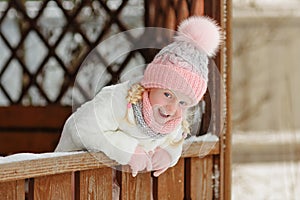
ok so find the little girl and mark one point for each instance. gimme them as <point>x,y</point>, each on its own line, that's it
<point>143,125</point>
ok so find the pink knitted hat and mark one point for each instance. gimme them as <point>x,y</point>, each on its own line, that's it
<point>182,65</point>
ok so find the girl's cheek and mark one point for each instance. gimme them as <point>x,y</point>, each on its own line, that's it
<point>164,102</point>
<point>179,112</point>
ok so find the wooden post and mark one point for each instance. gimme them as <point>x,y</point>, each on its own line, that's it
<point>228,134</point>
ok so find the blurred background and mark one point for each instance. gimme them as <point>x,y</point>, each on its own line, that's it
<point>265,99</point>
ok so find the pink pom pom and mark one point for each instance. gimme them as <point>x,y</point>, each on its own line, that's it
<point>202,31</point>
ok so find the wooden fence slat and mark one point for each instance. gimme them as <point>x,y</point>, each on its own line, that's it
<point>135,188</point>
<point>54,187</point>
<point>170,184</point>
<point>13,190</point>
<point>201,178</point>
<point>95,184</point>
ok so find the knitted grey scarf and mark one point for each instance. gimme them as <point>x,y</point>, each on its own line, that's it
<point>137,111</point>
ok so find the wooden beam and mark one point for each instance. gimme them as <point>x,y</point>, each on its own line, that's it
<point>77,162</point>
<point>22,117</point>
<point>45,166</point>
<point>37,142</point>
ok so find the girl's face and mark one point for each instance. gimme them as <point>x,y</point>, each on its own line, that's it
<point>167,104</point>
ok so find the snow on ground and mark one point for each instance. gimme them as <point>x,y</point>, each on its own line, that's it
<point>266,181</point>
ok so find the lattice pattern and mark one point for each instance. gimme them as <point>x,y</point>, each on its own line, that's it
<point>41,46</point>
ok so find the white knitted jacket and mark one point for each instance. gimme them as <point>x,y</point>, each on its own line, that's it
<point>100,125</point>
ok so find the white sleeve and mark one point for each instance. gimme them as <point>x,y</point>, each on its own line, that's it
<point>94,127</point>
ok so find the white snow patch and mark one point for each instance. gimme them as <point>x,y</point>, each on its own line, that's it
<point>209,137</point>
<point>34,156</point>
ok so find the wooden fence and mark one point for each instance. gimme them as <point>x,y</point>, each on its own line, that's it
<point>83,176</point>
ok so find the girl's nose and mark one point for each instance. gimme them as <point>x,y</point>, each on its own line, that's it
<point>171,109</point>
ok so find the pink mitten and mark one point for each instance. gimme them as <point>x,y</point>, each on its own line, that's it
<point>161,161</point>
<point>139,161</point>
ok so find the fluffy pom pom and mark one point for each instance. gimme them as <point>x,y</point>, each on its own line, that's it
<point>202,31</point>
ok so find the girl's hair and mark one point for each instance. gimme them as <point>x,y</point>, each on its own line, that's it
<point>135,94</point>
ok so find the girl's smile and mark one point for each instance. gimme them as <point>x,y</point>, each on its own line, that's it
<point>167,105</point>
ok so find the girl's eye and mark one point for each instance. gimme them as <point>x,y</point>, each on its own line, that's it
<point>182,103</point>
<point>167,94</point>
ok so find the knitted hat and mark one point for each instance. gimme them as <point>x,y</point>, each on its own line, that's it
<point>182,65</point>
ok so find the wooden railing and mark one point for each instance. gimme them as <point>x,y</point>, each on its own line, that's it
<point>91,176</point>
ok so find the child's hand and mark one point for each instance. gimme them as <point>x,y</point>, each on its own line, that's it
<point>139,161</point>
<point>161,160</point>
